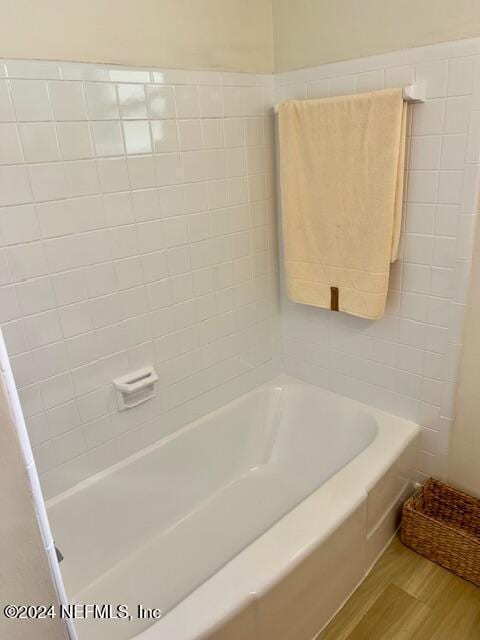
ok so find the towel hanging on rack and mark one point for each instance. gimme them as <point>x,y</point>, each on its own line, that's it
<point>342,171</point>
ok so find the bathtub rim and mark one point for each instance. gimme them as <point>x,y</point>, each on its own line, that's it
<point>274,554</point>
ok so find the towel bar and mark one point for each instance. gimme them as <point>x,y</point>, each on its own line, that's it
<point>411,93</point>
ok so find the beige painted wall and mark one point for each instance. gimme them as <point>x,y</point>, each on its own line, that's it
<point>24,571</point>
<point>312,32</point>
<point>233,35</point>
<point>464,467</point>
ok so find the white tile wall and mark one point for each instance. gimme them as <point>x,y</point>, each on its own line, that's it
<point>137,227</point>
<point>407,362</point>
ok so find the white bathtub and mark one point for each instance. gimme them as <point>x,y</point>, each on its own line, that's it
<point>255,522</point>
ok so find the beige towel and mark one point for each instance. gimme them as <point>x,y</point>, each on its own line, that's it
<point>341,167</point>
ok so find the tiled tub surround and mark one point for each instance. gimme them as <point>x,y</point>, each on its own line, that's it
<point>136,227</point>
<point>407,362</point>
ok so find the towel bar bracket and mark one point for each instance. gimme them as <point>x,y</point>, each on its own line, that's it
<point>415,92</point>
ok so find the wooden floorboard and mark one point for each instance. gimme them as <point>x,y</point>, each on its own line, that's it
<point>407,597</point>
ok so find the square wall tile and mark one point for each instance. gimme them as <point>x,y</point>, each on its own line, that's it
<point>211,101</point>
<point>137,137</point>
<point>82,177</point>
<point>168,170</point>
<point>212,130</point>
<point>9,307</point>
<point>113,173</point>
<point>48,181</point>
<point>434,74</point>
<point>74,140</point>
<point>131,98</point>
<point>187,103</point>
<point>6,108</point>
<point>457,114</point>
<point>141,170</point>
<point>453,152</point>
<point>10,150</point>
<point>425,152</point>
<point>39,142</point>
<point>26,261</point>
<point>190,134</point>
<point>67,100</point>
<point>101,101</point>
<point>14,185</point>
<point>422,186</point>
<point>160,101</point>
<point>107,138</point>
<point>35,296</point>
<point>30,100</point>
<point>164,136</point>
<point>460,76</point>
<point>232,101</point>
<point>428,117</point>
<point>450,187</point>
<point>446,220</point>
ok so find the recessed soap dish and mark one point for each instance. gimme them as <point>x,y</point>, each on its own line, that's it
<point>135,388</point>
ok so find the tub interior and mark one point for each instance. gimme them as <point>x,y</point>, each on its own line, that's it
<point>155,527</point>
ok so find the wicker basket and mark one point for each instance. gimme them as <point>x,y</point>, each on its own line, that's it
<point>443,524</point>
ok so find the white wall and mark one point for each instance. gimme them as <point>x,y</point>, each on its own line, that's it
<point>24,570</point>
<point>312,32</point>
<point>137,227</point>
<point>185,34</point>
<point>464,469</point>
<point>407,362</point>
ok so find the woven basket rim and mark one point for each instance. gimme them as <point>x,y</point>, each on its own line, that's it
<point>411,503</point>
<point>459,492</point>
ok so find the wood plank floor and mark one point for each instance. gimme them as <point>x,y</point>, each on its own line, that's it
<point>407,597</point>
